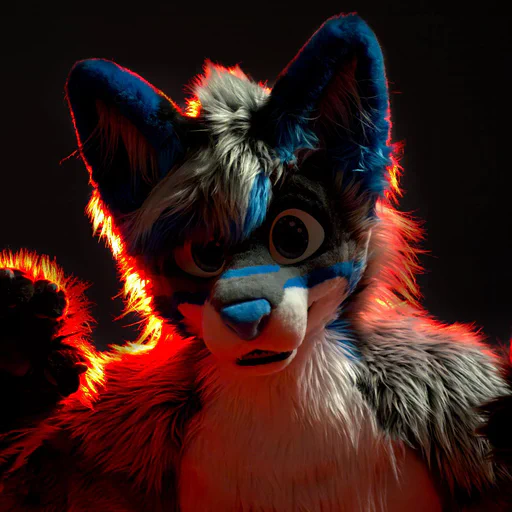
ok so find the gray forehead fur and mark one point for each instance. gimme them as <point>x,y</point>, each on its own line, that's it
<point>425,387</point>
<point>213,185</point>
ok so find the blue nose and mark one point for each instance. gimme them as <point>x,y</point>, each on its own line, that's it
<point>247,319</point>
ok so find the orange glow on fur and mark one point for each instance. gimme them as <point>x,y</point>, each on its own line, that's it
<point>135,285</point>
<point>76,328</point>
<point>37,267</point>
<point>264,85</point>
<point>400,265</point>
<point>193,107</point>
<point>138,300</point>
<point>235,71</point>
<point>135,293</point>
<point>394,173</point>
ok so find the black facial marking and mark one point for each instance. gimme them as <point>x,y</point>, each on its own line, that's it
<point>167,307</point>
<point>304,194</point>
<point>312,197</point>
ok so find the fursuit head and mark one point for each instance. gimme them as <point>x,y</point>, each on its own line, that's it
<point>285,363</point>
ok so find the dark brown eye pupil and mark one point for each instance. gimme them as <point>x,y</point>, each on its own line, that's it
<point>290,237</point>
<point>208,257</point>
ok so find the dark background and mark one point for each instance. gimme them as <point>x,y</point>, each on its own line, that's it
<point>447,68</point>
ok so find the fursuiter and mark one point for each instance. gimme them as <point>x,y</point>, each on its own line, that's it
<point>284,362</point>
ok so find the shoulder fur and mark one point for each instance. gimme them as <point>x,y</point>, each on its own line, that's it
<point>425,382</point>
<point>136,423</point>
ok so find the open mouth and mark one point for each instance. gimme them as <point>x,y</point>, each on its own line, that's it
<point>257,357</point>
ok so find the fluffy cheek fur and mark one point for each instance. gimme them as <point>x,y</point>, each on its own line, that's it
<point>324,300</point>
<point>193,318</point>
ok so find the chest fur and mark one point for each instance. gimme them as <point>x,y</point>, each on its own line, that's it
<point>304,440</point>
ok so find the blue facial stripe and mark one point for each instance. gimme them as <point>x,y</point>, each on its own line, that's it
<point>246,312</point>
<point>258,202</point>
<point>347,269</point>
<point>250,271</point>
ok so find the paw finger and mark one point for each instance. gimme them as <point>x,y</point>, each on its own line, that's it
<point>6,280</point>
<point>22,290</point>
<point>7,275</point>
<point>48,300</point>
<point>15,288</point>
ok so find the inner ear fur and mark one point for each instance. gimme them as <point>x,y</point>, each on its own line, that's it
<point>340,108</point>
<point>116,133</point>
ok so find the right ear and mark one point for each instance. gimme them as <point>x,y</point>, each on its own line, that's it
<point>129,133</point>
<point>334,96</point>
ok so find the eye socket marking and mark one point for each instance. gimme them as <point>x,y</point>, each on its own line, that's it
<point>201,260</point>
<point>294,236</point>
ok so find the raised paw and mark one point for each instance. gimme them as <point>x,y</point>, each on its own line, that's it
<point>19,295</point>
<point>31,314</point>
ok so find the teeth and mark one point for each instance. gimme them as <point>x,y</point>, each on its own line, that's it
<point>255,354</point>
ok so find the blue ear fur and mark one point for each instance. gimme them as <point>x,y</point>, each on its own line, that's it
<point>334,95</point>
<point>127,131</point>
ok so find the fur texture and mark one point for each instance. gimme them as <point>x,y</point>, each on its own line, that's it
<point>217,184</point>
<point>268,209</point>
<point>425,384</point>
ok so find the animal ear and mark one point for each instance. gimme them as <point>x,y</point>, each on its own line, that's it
<point>128,131</point>
<point>333,95</point>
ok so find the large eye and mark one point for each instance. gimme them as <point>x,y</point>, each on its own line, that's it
<point>295,235</point>
<point>202,260</point>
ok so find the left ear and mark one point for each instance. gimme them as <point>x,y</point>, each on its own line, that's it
<point>333,95</point>
<point>129,133</point>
